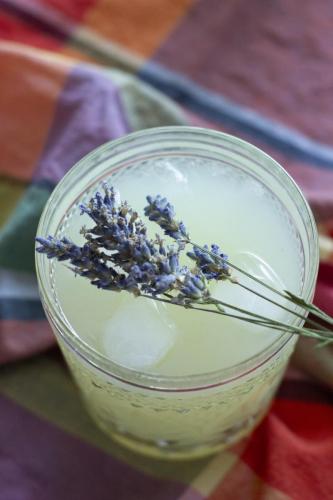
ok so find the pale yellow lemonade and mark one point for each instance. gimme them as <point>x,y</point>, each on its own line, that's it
<point>218,204</point>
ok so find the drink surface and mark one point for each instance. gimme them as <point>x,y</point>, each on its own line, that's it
<point>218,204</point>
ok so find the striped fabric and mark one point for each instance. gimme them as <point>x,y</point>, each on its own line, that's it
<point>77,73</point>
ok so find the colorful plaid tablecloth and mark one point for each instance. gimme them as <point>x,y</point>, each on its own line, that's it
<point>77,73</point>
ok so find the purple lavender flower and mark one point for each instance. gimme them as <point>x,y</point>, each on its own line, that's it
<point>163,283</point>
<point>118,255</point>
<point>212,268</point>
<point>162,212</point>
<point>86,261</point>
<point>62,249</point>
<point>194,288</point>
<point>100,208</point>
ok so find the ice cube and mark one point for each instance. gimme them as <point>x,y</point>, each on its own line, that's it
<point>242,298</point>
<point>139,334</point>
<point>259,268</point>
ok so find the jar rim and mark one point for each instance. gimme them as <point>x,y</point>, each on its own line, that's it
<point>164,383</point>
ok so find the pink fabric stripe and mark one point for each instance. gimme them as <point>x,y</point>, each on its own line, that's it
<point>89,113</point>
<point>21,339</point>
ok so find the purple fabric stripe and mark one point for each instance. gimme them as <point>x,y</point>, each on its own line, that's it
<point>88,114</point>
<point>274,57</point>
<point>40,462</point>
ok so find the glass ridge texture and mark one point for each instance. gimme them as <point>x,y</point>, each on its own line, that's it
<point>179,416</point>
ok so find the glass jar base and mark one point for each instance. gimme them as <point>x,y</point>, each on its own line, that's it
<point>177,451</point>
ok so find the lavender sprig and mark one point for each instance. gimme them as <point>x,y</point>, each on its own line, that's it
<point>86,261</point>
<point>211,267</point>
<point>215,265</point>
<point>118,255</point>
<point>162,212</point>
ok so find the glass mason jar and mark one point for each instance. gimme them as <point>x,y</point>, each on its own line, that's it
<point>179,416</point>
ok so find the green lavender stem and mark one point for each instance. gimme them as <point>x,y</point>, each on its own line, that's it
<point>294,299</point>
<point>255,319</point>
<point>309,320</point>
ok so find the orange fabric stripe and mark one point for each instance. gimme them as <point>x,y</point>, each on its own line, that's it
<point>28,97</point>
<point>73,9</point>
<point>141,26</point>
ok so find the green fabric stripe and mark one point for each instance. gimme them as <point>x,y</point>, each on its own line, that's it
<point>18,234</point>
<point>144,106</point>
<point>10,192</point>
<point>43,386</point>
